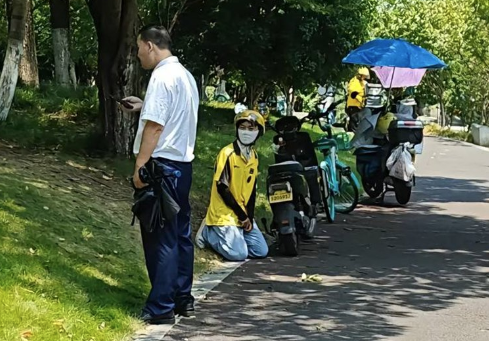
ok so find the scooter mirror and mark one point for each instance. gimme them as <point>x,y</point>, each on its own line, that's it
<point>321,90</point>
<point>239,108</point>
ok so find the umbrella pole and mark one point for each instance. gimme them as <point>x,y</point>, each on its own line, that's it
<point>390,88</point>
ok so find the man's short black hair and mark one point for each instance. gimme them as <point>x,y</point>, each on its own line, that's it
<point>156,34</point>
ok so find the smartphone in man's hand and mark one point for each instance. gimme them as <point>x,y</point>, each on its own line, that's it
<point>122,102</point>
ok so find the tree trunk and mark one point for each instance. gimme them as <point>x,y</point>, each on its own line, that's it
<point>61,56</point>
<point>28,70</point>
<point>253,92</point>
<point>176,15</point>
<point>202,88</point>
<point>60,25</point>
<point>115,23</point>
<point>10,71</point>
<point>290,99</point>
<point>484,116</point>
<point>442,114</point>
<point>73,79</point>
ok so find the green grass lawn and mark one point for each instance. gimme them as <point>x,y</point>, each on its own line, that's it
<point>71,266</point>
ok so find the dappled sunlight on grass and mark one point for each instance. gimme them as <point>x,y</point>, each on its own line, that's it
<point>65,253</point>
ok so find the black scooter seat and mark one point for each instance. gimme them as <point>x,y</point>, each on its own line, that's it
<point>284,167</point>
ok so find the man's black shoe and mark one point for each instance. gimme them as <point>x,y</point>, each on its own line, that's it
<point>185,309</point>
<point>168,318</point>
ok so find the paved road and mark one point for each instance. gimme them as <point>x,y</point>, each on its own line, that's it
<point>419,273</point>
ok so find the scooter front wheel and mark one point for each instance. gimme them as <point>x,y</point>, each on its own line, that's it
<point>402,191</point>
<point>288,244</point>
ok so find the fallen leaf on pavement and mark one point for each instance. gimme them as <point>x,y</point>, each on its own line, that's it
<point>311,278</point>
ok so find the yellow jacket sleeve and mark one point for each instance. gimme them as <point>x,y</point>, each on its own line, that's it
<point>221,160</point>
<point>356,85</point>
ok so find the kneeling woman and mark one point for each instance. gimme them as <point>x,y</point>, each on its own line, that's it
<point>229,227</point>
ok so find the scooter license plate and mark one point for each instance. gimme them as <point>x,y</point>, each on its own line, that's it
<point>280,196</point>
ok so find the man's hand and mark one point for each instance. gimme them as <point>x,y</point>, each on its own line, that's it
<point>135,102</point>
<point>247,225</point>
<point>137,181</point>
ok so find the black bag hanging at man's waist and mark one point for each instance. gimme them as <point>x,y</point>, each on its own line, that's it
<point>154,204</point>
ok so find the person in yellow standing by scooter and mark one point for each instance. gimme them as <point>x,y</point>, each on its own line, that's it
<point>356,97</point>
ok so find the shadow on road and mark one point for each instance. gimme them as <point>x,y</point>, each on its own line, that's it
<point>444,190</point>
<point>377,265</point>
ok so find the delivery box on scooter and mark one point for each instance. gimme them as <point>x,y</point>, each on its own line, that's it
<point>373,95</point>
<point>402,131</point>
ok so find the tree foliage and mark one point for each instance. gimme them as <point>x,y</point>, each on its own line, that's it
<point>285,44</point>
<point>457,32</point>
<point>263,42</point>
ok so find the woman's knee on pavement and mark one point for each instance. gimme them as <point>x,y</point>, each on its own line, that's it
<point>236,254</point>
<point>259,250</point>
<point>256,242</point>
<point>228,242</point>
<point>235,250</point>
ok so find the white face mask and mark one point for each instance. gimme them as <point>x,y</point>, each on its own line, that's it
<point>247,137</point>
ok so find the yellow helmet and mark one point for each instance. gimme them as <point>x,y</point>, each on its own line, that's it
<point>251,116</point>
<point>364,72</point>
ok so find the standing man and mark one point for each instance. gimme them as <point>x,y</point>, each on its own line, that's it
<point>356,97</point>
<point>166,139</point>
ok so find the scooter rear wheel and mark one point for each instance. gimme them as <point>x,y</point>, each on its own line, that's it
<point>288,244</point>
<point>402,191</point>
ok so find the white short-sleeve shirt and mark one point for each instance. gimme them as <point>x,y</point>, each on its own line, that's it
<point>172,100</point>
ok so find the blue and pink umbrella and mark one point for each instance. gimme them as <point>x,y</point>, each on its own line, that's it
<point>396,62</point>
